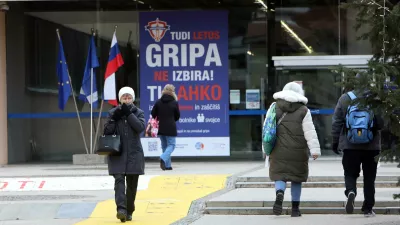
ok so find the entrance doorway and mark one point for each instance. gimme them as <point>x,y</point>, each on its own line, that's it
<point>315,74</point>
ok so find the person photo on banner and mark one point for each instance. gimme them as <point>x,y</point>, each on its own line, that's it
<point>128,121</point>
<point>166,110</point>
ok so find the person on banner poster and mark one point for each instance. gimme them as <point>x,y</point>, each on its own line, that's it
<point>128,121</point>
<point>166,111</point>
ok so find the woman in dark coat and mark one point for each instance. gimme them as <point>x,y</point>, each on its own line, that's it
<point>166,110</point>
<point>127,121</point>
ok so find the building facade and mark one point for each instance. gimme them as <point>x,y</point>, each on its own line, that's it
<point>270,43</point>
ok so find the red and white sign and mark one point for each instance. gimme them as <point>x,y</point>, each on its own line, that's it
<point>91,183</point>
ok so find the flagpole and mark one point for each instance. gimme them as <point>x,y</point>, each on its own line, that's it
<point>91,103</point>
<point>76,105</point>
<point>102,102</point>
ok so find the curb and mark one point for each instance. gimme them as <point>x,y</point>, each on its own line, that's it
<point>378,184</point>
<point>287,211</point>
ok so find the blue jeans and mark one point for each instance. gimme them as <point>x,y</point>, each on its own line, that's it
<point>168,146</point>
<point>296,189</point>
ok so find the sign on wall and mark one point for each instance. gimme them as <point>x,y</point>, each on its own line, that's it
<point>188,49</point>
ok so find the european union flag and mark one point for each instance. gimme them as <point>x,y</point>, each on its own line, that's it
<point>64,87</point>
<point>91,63</point>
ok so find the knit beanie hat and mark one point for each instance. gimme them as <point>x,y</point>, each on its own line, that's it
<point>126,90</point>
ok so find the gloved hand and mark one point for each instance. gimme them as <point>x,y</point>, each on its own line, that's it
<point>335,148</point>
<point>117,114</point>
<point>126,110</point>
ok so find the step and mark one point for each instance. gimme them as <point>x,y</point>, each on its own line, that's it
<point>265,178</point>
<point>287,203</point>
<point>321,184</point>
<point>309,219</point>
<point>287,211</point>
<point>311,197</point>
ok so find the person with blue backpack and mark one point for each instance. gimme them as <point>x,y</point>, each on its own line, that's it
<point>356,133</point>
<point>289,137</point>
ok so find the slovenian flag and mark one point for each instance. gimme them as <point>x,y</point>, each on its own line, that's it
<point>115,61</point>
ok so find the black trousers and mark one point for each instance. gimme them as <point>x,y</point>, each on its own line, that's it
<point>125,201</point>
<point>352,161</point>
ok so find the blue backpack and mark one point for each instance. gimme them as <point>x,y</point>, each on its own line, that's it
<point>359,123</point>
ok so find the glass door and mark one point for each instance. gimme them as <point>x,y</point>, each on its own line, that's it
<point>322,93</point>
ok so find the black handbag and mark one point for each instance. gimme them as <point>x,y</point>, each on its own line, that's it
<point>109,145</point>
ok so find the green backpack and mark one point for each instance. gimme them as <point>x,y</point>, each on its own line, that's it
<point>269,129</point>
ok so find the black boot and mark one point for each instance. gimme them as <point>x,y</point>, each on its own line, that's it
<point>295,209</point>
<point>129,218</point>
<point>278,203</point>
<point>121,215</point>
<point>162,164</point>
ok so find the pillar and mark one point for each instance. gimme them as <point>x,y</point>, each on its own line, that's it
<point>3,93</point>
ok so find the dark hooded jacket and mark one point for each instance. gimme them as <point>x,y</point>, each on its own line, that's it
<point>131,160</point>
<point>339,123</point>
<point>166,110</point>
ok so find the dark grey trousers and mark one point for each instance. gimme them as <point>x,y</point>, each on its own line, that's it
<point>125,201</point>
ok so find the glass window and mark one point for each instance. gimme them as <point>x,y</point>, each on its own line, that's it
<point>38,130</point>
<point>311,27</point>
<point>33,48</point>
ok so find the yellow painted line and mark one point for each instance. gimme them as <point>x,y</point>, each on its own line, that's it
<point>167,199</point>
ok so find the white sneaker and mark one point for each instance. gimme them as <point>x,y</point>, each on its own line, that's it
<point>369,214</point>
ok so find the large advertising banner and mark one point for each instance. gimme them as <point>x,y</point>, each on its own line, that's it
<point>188,49</point>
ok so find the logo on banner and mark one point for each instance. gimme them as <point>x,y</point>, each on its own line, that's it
<point>199,146</point>
<point>157,29</point>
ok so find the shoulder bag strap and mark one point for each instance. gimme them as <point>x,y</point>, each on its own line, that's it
<point>280,120</point>
<point>351,95</point>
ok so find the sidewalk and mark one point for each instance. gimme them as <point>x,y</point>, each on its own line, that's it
<point>152,168</point>
<point>85,193</point>
<point>304,220</point>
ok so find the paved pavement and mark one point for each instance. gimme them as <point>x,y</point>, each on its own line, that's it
<point>167,199</point>
<point>152,168</point>
<point>69,194</point>
<point>304,220</point>
<point>65,194</point>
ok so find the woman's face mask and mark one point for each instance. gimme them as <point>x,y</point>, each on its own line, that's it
<point>127,99</point>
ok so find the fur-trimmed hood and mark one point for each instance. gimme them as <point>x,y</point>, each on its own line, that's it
<point>292,92</point>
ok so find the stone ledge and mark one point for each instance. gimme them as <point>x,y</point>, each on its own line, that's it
<point>88,159</point>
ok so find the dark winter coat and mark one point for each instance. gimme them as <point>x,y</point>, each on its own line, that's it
<point>131,160</point>
<point>339,123</point>
<point>166,110</point>
<point>296,137</point>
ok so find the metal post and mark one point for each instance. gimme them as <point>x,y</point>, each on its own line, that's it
<point>76,105</point>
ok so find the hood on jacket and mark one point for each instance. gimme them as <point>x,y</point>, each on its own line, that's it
<point>167,98</point>
<point>291,97</point>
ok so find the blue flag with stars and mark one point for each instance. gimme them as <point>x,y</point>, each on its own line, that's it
<point>91,63</point>
<point>64,87</point>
